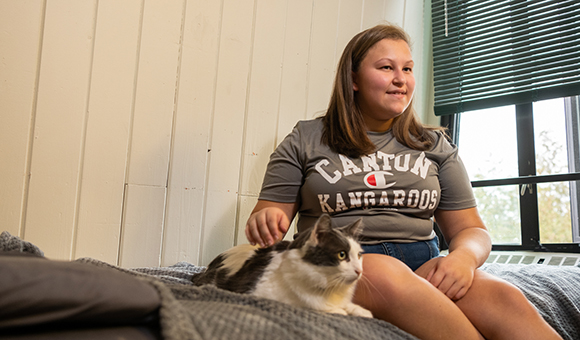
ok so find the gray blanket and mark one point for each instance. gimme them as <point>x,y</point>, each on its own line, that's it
<point>554,291</point>
<point>206,312</point>
<point>189,312</point>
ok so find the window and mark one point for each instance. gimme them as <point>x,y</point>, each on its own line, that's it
<point>541,214</point>
<point>507,84</point>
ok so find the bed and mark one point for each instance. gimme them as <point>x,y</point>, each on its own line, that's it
<point>90,299</point>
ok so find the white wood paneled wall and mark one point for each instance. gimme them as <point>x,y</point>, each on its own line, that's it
<point>137,132</point>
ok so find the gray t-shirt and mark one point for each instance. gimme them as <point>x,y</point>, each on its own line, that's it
<point>395,189</point>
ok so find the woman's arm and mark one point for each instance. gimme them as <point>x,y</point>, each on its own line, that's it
<point>269,222</point>
<point>465,232</point>
<point>469,246</point>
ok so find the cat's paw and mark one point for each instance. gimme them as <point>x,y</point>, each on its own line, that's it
<point>356,310</point>
<point>336,311</point>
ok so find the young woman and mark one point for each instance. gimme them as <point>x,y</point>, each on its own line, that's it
<point>369,156</point>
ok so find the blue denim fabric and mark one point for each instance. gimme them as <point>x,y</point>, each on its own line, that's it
<point>412,254</point>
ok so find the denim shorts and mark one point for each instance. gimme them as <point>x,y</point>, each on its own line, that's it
<point>412,254</point>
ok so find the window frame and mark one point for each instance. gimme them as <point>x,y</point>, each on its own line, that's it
<point>528,178</point>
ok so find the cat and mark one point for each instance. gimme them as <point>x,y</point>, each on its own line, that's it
<point>318,270</point>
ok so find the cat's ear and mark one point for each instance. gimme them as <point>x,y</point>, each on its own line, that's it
<point>354,229</point>
<point>323,225</point>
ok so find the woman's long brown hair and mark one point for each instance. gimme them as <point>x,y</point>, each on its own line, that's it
<point>345,131</point>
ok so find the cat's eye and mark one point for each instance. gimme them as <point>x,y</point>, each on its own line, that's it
<point>360,255</point>
<point>341,255</point>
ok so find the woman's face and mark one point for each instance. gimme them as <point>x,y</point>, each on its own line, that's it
<point>384,83</point>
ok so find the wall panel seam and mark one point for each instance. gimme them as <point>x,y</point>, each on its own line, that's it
<point>122,229</point>
<point>130,133</point>
<point>210,137</point>
<point>282,75</point>
<point>307,87</point>
<point>245,124</point>
<point>83,138</point>
<point>173,127</point>
<point>31,132</point>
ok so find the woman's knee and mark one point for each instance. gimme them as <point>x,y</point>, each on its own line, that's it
<point>497,289</point>
<point>510,298</point>
<point>488,293</point>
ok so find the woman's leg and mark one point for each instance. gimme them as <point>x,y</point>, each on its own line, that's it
<point>392,292</point>
<point>499,310</point>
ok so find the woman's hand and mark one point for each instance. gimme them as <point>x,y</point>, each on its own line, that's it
<point>452,274</point>
<point>469,247</point>
<point>269,222</point>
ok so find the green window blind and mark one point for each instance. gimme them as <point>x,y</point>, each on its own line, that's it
<point>489,53</point>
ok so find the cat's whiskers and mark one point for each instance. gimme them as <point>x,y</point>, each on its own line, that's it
<point>335,285</point>
<point>368,285</point>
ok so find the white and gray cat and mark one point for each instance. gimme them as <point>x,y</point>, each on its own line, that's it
<point>318,270</point>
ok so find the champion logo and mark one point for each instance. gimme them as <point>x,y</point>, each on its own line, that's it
<point>378,180</point>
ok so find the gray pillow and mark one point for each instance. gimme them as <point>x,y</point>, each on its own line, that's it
<point>36,291</point>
